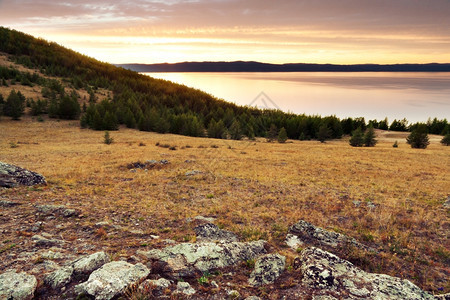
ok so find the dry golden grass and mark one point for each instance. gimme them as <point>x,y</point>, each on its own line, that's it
<point>254,188</point>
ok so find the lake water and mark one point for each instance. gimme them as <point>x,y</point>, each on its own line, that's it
<point>414,96</point>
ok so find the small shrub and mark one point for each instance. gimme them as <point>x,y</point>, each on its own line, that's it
<point>107,138</point>
<point>40,119</point>
<point>141,144</point>
<point>172,148</point>
<point>395,144</point>
<point>13,145</point>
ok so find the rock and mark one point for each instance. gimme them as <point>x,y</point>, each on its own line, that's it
<point>308,233</point>
<point>184,288</point>
<point>233,294</point>
<point>252,298</point>
<point>447,202</point>
<point>41,241</point>
<point>88,264</point>
<point>61,210</point>
<point>442,297</point>
<point>156,286</point>
<point>267,269</point>
<point>112,279</point>
<point>205,219</point>
<point>187,259</point>
<point>17,286</point>
<point>193,173</point>
<point>12,176</point>
<point>325,273</point>
<point>209,232</point>
<point>6,203</point>
<point>59,278</point>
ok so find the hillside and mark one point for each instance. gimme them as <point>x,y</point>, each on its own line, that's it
<point>251,66</point>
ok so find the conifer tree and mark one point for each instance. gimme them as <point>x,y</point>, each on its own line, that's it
<point>235,130</point>
<point>324,133</point>
<point>357,138</point>
<point>446,140</point>
<point>369,137</point>
<point>15,105</point>
<point>418,138</point>
<point>282,135</point>
<point>272,134</point>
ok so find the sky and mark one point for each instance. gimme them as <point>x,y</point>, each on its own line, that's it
<point>283,31</point>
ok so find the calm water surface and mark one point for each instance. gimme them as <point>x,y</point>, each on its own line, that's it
<point>415,96</point>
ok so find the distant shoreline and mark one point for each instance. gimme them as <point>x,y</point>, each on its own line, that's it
<point>244,66</point>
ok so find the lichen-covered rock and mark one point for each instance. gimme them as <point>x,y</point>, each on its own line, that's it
<point>209,232</point>
<point>41,241</point>
<point>267,269</point>
<point>157,287</point>
<point>327,274</point>
<point>81,266</point>
<point>12,176</point>
<point>89,263</point>
<point>184,288</point>
<point>187,259</point>
<point>61,210</point>
<point>443,296</point>
<point>6,203</point>
<point>17,286</point>
<point>112,279</point>
<point>305,233</point>
<point>59,278</point>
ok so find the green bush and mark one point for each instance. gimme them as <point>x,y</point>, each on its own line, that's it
<point>357,139</point>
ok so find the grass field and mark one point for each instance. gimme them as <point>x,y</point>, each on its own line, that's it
<point>389,198</point>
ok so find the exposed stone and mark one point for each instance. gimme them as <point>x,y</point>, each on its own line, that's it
<point>308,233</point>
<point>41,241</point>
<point>267,269</point>
<point>447,202</point>
<point>252,298</point>
<point>193,173</point>
<point>88,264</point>
<point>185,288</point>
<point>6,203</point>
<point>61,210</point>
<point>327,274</point>
<point>112,279</point>
<point>187,259</point>
<point>17,286</point>
<point>209,232</point>
<point>157,286</point>
<point>59,278</point>
<point>442,297</point>
<point>12,176</point>
<point>233,294</point>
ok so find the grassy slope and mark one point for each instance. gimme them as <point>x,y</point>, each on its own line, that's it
<point>256,189</point>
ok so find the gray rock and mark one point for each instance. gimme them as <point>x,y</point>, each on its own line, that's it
<point>6,203</point>
<point>41,241</point>
<point>184,288</point>
<point>112,279</point>
<point>267,269</point>
<point>156,286</point>
<point>205,219</point>
<point>307,233</point>
<point>12,176</point>
<point>193,173</point>
<point>88,264</point>
<point>442,297</point>
<point>186,259</point>
<point>252,298</point>
<point>59,278</point>
<point>61,210</point>
<point>17,286</point>
<point>326,273</point>
<point>447,202</point>
<point>209,232</point>
<point>233,294</point>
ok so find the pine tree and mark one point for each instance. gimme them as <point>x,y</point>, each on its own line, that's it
<point>235,130</point>
<point>446,140</point>
<point>272,134</point>
<point>418,138</point>
<point>324,133</point>
<point>282,135</point>
<point>14,106</point>
<point>369,137</point>
<point>357,138</point>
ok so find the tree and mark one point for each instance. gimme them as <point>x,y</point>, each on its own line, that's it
<point>357,138</point>
<point>446,140</point>
<point>235,130</point>
<point>324,133</point>
<point>369,137</point>
<point>272,134</point>
<point>2,103</point>
<point>14,106</point>
<point>418,138</point>
<point>216,130</point>
<point>282,135</point>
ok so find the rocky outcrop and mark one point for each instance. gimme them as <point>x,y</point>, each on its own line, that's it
<point>112,279</point>
<point>267,269</point>
<point>187,259</point>
<point>56,210</point>
<point>303,233</point>
<point>12,176</point>
<point>325,274</point>
<point>81,266</point>
<point>209,232</point>
<point>17,286</point>
<point>41,241</point>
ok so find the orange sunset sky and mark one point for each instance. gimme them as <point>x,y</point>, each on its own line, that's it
<point>310,31</point>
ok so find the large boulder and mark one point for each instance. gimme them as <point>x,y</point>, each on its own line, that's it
<point>187,259</point>
<point>304,232</point>
<point>267,269</point>
<point>325,274</point>
<point>112,279</point>
<point>12,176</point>
<point>17,286</point>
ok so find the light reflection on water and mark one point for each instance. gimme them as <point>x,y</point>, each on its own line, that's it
<point>415,96</point>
